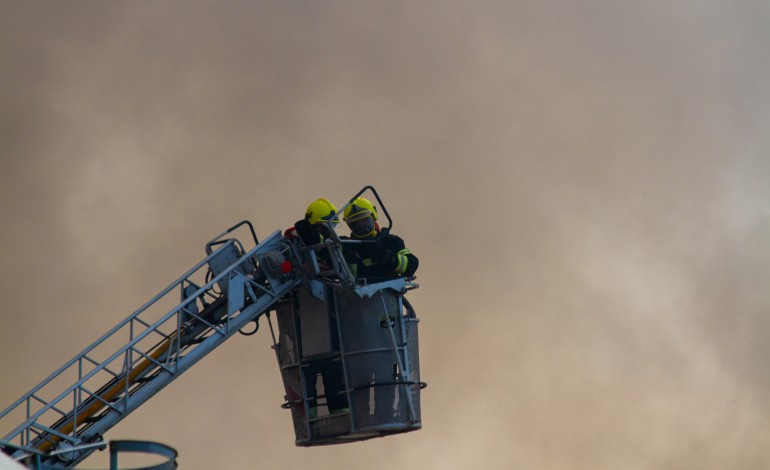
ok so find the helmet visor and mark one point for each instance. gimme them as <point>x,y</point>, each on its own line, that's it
<point>331,218</point>
<point>361,227</point>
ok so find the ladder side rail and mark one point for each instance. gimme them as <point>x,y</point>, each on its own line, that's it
<point>179,309</point>
<point>106,336</point>
<point>218,239</point>
<point>233,323</point>
<point>165,377</point>
<point>83,378</point>
<point>175,311</point>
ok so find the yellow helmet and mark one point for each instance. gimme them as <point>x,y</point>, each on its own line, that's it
<point>360,217</point>
<point>359,209</point>
<point>321,210</point>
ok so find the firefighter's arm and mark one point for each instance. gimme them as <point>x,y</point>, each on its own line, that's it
<point>398,257</point>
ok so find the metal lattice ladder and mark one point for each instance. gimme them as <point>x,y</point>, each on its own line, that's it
<point>149,349</point>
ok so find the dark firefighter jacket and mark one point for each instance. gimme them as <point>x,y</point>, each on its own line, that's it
<point>379,258</point>
<point>310,235</point>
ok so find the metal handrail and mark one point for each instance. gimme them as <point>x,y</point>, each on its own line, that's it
<point>110,333</point>
<point>379,201</point>
<point>32,418</point>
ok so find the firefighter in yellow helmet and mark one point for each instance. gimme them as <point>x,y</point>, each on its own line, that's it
<point>381,255</point>
<point>313,228</point>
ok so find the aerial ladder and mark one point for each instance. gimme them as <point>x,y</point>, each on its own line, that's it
<point>326,321</point>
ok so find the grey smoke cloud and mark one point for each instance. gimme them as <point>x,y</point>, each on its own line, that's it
<point>585,185</point>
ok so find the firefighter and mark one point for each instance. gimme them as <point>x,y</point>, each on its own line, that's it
<point>380,255</point>
<point>313,229</point>
<point>375,255</point>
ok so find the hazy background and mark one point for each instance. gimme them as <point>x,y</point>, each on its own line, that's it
<point>587,185</point>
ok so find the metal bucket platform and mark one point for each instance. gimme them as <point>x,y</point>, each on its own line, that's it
<point>349,359</point>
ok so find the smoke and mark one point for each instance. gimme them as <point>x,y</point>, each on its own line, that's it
<point>585,185</point>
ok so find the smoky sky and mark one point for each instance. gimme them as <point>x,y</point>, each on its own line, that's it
<point>585,184</point>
